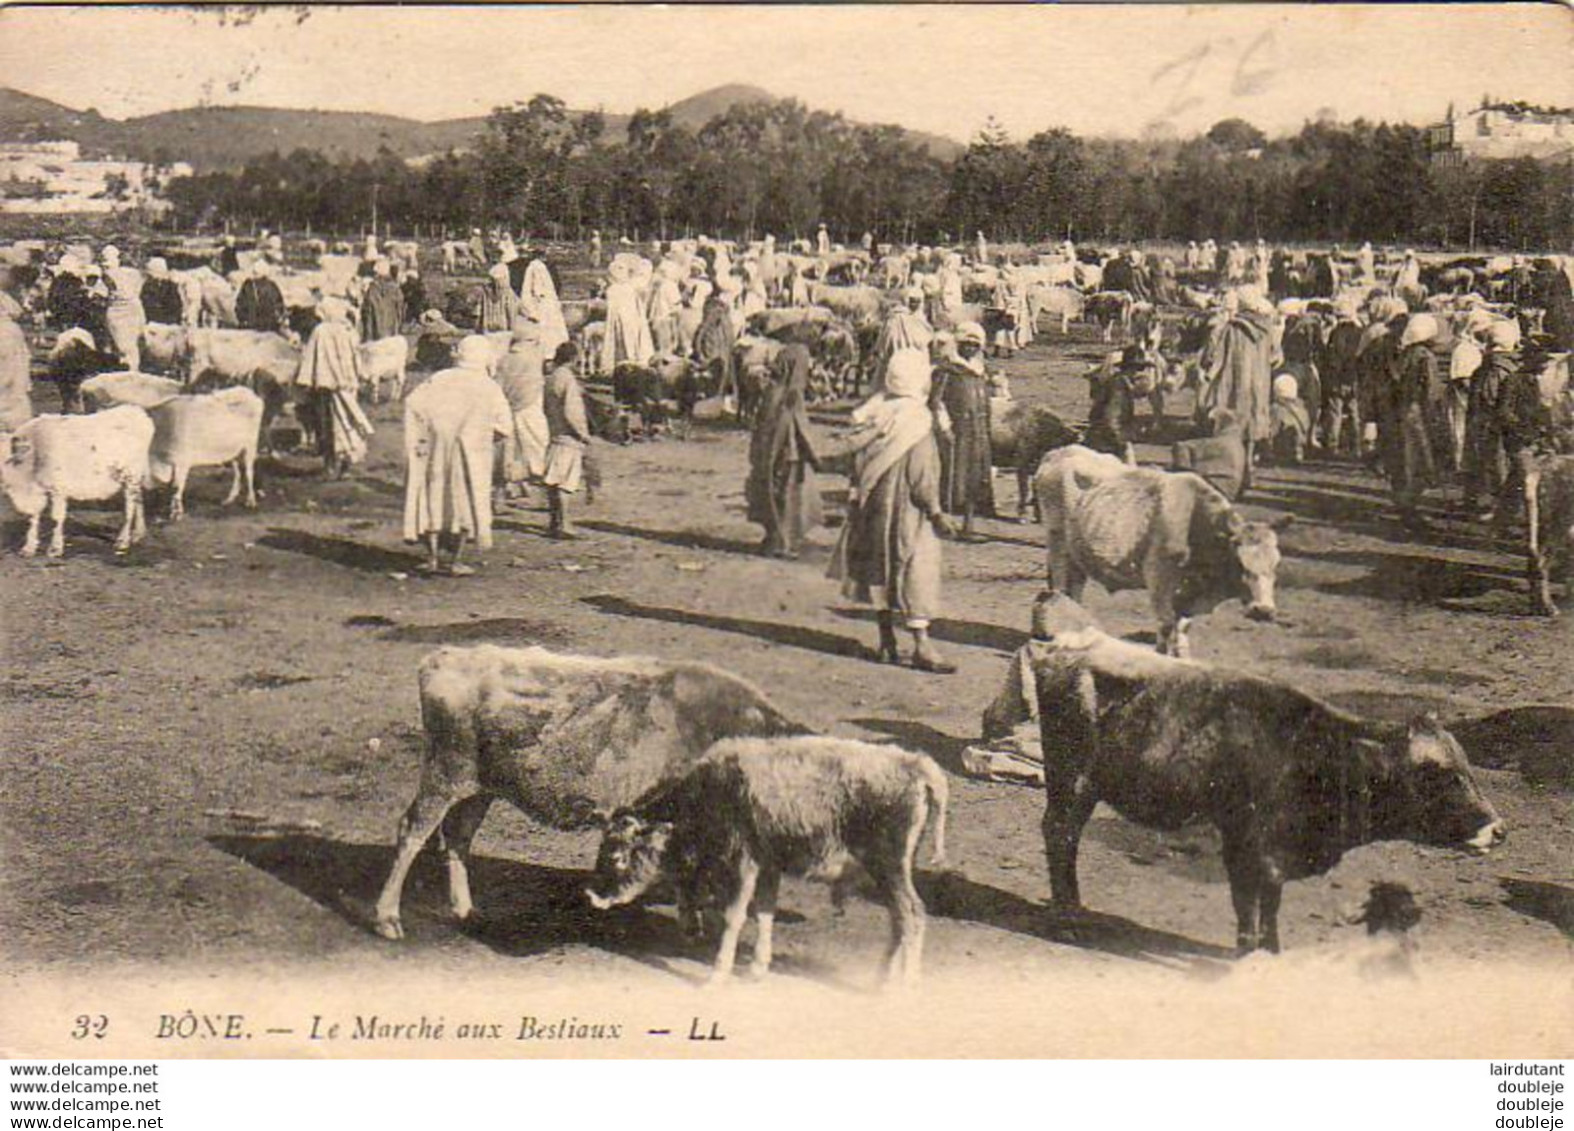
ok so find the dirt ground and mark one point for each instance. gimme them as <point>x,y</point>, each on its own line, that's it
<point>208,743</point>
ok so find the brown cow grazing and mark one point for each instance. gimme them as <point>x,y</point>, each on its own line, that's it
<point>1290,782</point>
<point>1219,458</point>
<point>1167,532</point>
<point>753,810</point>
<point>1549,507</point>
<point>558,736</point>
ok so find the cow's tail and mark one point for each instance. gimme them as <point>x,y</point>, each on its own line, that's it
<point>937,793</point>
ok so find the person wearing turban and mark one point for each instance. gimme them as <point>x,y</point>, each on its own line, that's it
<point>538,299</point>
<point>780,488</point>
<point>1486,462</point>
<point>382,308</point>
<point>959,400</point>
<point>889,551</point>
<point>498,305</point>
<point>259,304</point>
<point>124,314</point>
<point>450,424</point>
<point>1236,367</point>
<point>628,333</point>
<point>161,298</point>
<point>905,328</point>
<point>331,371</point>
<point>1412,424</point>
<point>521,374</point>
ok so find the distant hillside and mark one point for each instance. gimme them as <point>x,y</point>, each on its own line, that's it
<point>221,137</point>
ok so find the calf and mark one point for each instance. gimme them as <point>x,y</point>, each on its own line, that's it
<point>753,810</point>
<point>1110,309</point>
<point>558,736</point>
<point>1020,436</point>
<point>202,431</point>
<point>51,460</point>
<point>1549,505</point>
<point>1167,532</point>
<point>383,366</point>
<point>1290,782</point>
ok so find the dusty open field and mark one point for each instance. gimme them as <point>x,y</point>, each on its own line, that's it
<point>263,664</point>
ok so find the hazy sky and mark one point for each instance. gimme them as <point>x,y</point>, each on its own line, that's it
<point>1095,69</point>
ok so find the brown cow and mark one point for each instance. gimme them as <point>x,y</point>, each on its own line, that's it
<point>1290,782</point>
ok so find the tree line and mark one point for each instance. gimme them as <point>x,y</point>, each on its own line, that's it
<point>783,168</point>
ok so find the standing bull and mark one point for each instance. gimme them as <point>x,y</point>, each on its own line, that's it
<point>1290,783</point>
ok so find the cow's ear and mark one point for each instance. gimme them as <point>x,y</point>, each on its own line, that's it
<point>661,833</point>
<point>1234,524</point>
<point>1282,522</point>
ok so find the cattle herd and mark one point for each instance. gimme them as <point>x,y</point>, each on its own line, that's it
<point>702,787</point>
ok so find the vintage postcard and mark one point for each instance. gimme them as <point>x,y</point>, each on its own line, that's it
<point>776,531</point>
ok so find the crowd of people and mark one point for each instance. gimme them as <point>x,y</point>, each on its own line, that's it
<point>1301,355</point>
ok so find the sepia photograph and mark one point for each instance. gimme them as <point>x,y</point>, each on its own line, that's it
<point>881,531</point>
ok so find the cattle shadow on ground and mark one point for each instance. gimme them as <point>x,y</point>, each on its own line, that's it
<point>500,630</point>
<point>522,909</point>
<point>952,895</point>
<point>1414,579</point>
<point>1538,899</point>
<point>683,539</point>
<point>1537,741</point>
<point>967,633</point>
<point>788,635</point>
<point>340,551</point>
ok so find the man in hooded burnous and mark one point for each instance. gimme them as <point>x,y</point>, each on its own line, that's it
<point>960,402</point>
<point>889,552</point>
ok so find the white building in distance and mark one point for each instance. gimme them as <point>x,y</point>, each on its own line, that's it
<point>53,177</point>
<point>1503,130</point>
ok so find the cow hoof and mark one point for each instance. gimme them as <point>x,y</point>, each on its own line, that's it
<point>56,552</point>
<point>29,551</point>
<point>391,929</point>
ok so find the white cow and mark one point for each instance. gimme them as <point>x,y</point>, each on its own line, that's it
<point>106,390</point>
<point>206,430</point>
<point>51,460</point>
<point>164,347</point>
<point>383,365</point>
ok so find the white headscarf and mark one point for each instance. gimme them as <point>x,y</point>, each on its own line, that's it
<point>473,352</point>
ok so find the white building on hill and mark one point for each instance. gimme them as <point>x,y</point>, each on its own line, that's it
<point>1503,129</point>
<point>53,177</point>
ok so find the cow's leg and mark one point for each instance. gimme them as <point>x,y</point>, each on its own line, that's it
<point>1245,873</point>
<point>737,911</point>
<point>1068,805</point>
<point>907,908</point>
<point>456,835</point>
<point>57,515</point>
<point>131,505</point>
<point>420,821</point>
<point>30,543</point>
<point>764,920</point>
<point>177,499</point>
<point>1539,572</point>
<point>1270,889</point>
